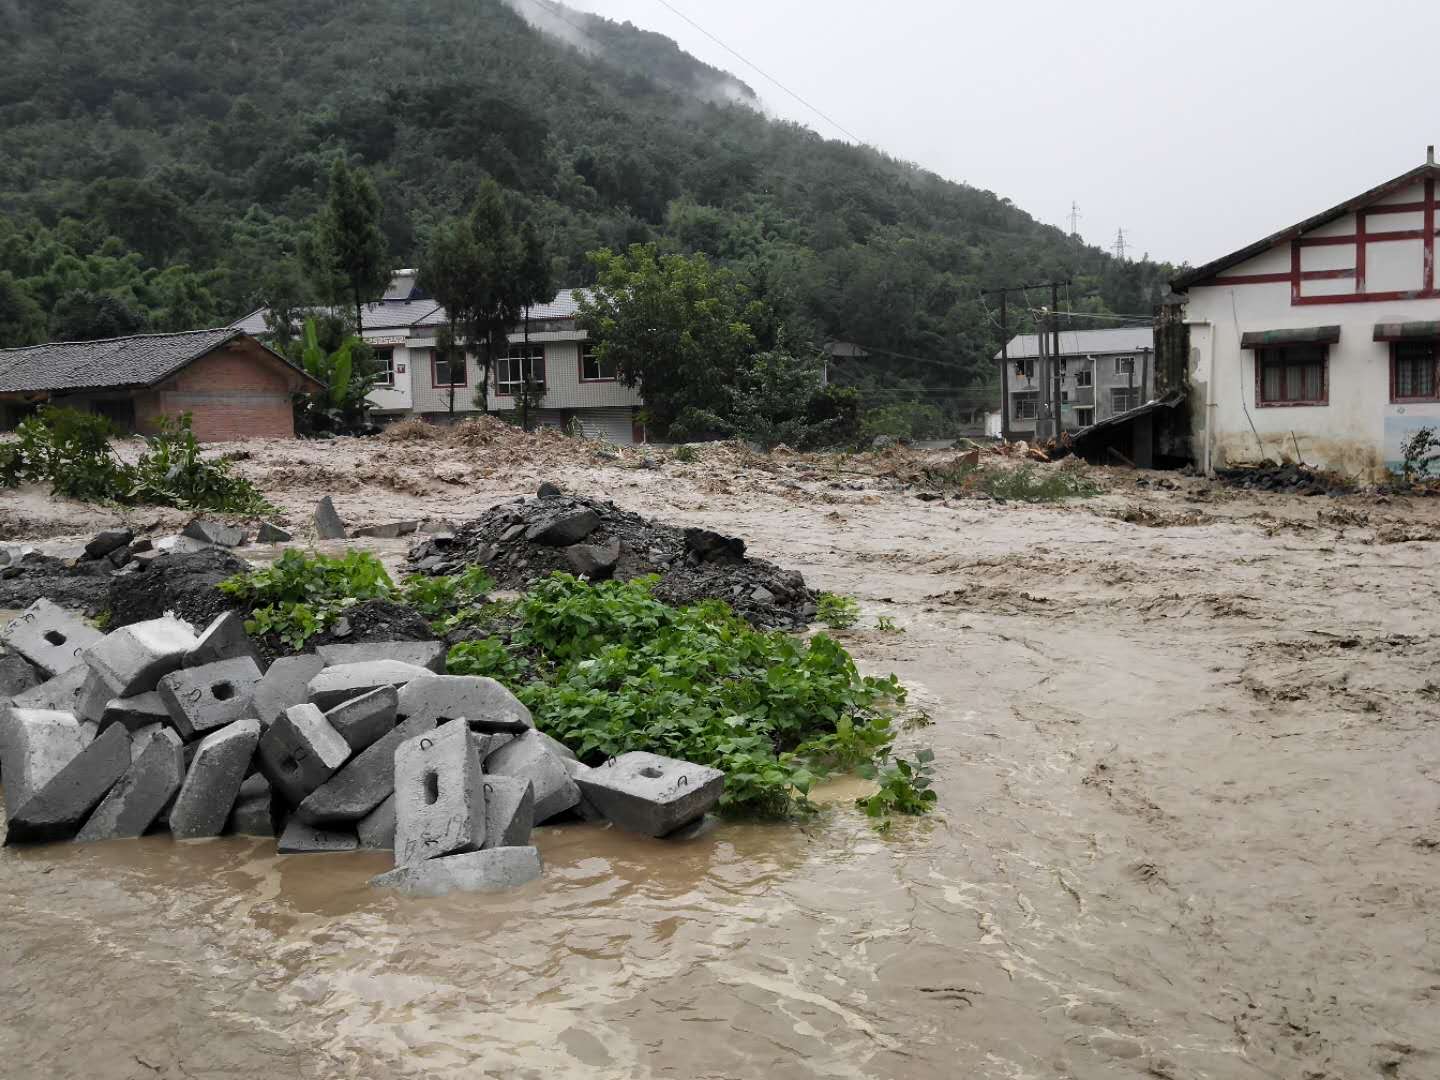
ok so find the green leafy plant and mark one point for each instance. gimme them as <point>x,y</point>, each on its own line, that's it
<point>886,625</point>
<point>685,454</point>
<point>172,473</point>
<point>299,595</point>
<point>904,787</point>
<point>449,601</point>
<point>489,657</point>
<point>1028,483</point>
<point>837,611</point>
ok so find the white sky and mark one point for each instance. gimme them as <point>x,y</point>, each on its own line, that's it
<point>1198,128</point>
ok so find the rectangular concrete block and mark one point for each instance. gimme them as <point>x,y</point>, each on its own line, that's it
<point>363,783</point>
<point>650,794</point>
<point>482,703</point>
<point>366,718</point>
<point>439,802</point>
<point>49,637</point>
<point>301,839</point>
<point>55,811</point>
<point>342,682</point>
<point>286,682</point>
<point>17,675</point>
<point>94,696</point>
<point>134,658</point>
<point>224,639</point>
<point>254,810</point>
<point>376,829</point>
<point>134,713</point>
<point>300,751</point>
<point>213,780</point>
<point>214,532</point>
<point>530,757</point>
<point>426,654</point>
<point>133,804</point>
<point>35,744</point>
<point>491,870</point>
<point>62,692</point>
<point>584,809</point>
<point>201,699</point>
<point>509,811</point>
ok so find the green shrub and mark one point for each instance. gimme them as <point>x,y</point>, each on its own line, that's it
<point>837,611</point>
<point>606,668</point>
<point>904,788</point>
<point>686,454</point>
<point>299,595</point>
<point>1027,483</point>
<point>172,473</point>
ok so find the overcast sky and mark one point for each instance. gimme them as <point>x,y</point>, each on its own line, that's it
<point>1197,128</point>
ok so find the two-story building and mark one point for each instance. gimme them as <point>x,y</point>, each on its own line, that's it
<point>1102,373</point>
<point>419,379</point>
<point>1322,341</point>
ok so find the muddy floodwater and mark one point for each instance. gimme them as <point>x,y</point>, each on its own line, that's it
<point>1188,760</point>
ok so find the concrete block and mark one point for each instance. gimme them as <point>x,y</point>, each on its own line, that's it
<point>509,811</point>
<point>389,531</point>
<point>529,757</point>
<point>224,639</point>
<point>365,782</point>
<point>103,543</point>
<point>254,810</point>
<point>650,794</point>
<point>272,534</point>
<point>213,780</point>
<point>342,682</point>
<point>134,658</point>
<point>301,839</point>
<point>140,741</point>
<point>483,703</point>
<point>585,810</point>
<point>181,545</point>
<point>439,801</point>
<point>328,525</point>
<point>56,810</point>
<point>17,675</point>
<point>376,829</point>
<point>300,751</point>
<point>60,693</point>
<point>491,870</point>
<point>214,532</point>
<point>134,713</point>
<point>366,718</point>
<point>35,744</point>
<point>136,800</point>
<point>201,699</point>
<point>285,683</point>
<point>94,696</point>
<point>49,637</point>
<point>426,654</point>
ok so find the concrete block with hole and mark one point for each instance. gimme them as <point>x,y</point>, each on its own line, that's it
<point>491,870</point>
<point>286,682</point>
<point>55,810</point>
<point>366,718</point>
<point>135,713</point>
<point>49,637</point>
<point>509,811</point>
<point>61,692</point>
<point>530,757</point>
<point>151,781</point>
<point>301,839</point>
<point>35,744</point>
<point>224,639</point>
<point>483,703</point>
<point>134,658</point>
<point>300,751</point>
<point>376,829</point>
<point>254,811</point>
<point>340,683</point>
<point>650,794</point>
<point>364,782</point>
<point>201,699</point>
<point>212,782</point>
<point>439,801</point>
<point>427,654</point>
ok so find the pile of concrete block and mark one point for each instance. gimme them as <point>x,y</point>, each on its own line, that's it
<point>155,727</point>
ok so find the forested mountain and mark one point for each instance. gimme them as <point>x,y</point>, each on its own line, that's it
<point>161,162</point>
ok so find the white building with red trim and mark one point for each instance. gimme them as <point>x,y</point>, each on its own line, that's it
<point>1322,341</point>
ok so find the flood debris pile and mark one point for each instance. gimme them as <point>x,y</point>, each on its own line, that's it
<point>154,727</point>
<point>527,539</point>
<point>1293,478</point>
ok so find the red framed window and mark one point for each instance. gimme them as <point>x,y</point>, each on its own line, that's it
<point>1292,375</point>
<point>1414,367</point>
<point>448,370</point>
<point>591,369</point>
<point>518,364</point>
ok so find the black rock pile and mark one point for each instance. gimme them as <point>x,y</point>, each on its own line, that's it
<point>521,541</point>
<point>1291,478</point>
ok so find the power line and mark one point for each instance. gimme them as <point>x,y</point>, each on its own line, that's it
<point>833,123</point>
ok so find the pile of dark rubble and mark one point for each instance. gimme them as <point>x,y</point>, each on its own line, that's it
<point>1291,478</point>
<point>154,727</point>
<point>521,541</point>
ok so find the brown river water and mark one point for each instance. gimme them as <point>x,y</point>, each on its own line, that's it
<point>1187,829</point>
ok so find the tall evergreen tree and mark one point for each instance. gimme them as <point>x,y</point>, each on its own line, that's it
<point>351,244</point>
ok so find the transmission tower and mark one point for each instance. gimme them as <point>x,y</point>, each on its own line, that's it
<point>1120,244</point>
<point>1074,218</point>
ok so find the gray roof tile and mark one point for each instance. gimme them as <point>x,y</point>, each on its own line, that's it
<point>127,361</point>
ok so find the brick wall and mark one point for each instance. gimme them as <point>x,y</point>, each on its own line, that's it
<point>231,394</point>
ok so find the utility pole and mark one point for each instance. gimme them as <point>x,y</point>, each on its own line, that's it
<point>1047,412</point>
<point>1055,357</point>
<point>1004,372</point>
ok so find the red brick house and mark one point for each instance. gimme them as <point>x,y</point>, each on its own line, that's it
<point>232,386</point>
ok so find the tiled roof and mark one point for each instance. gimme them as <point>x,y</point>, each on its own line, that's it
<point>403,314</point>
<point>1085,342</point>
<point>129,361</point>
